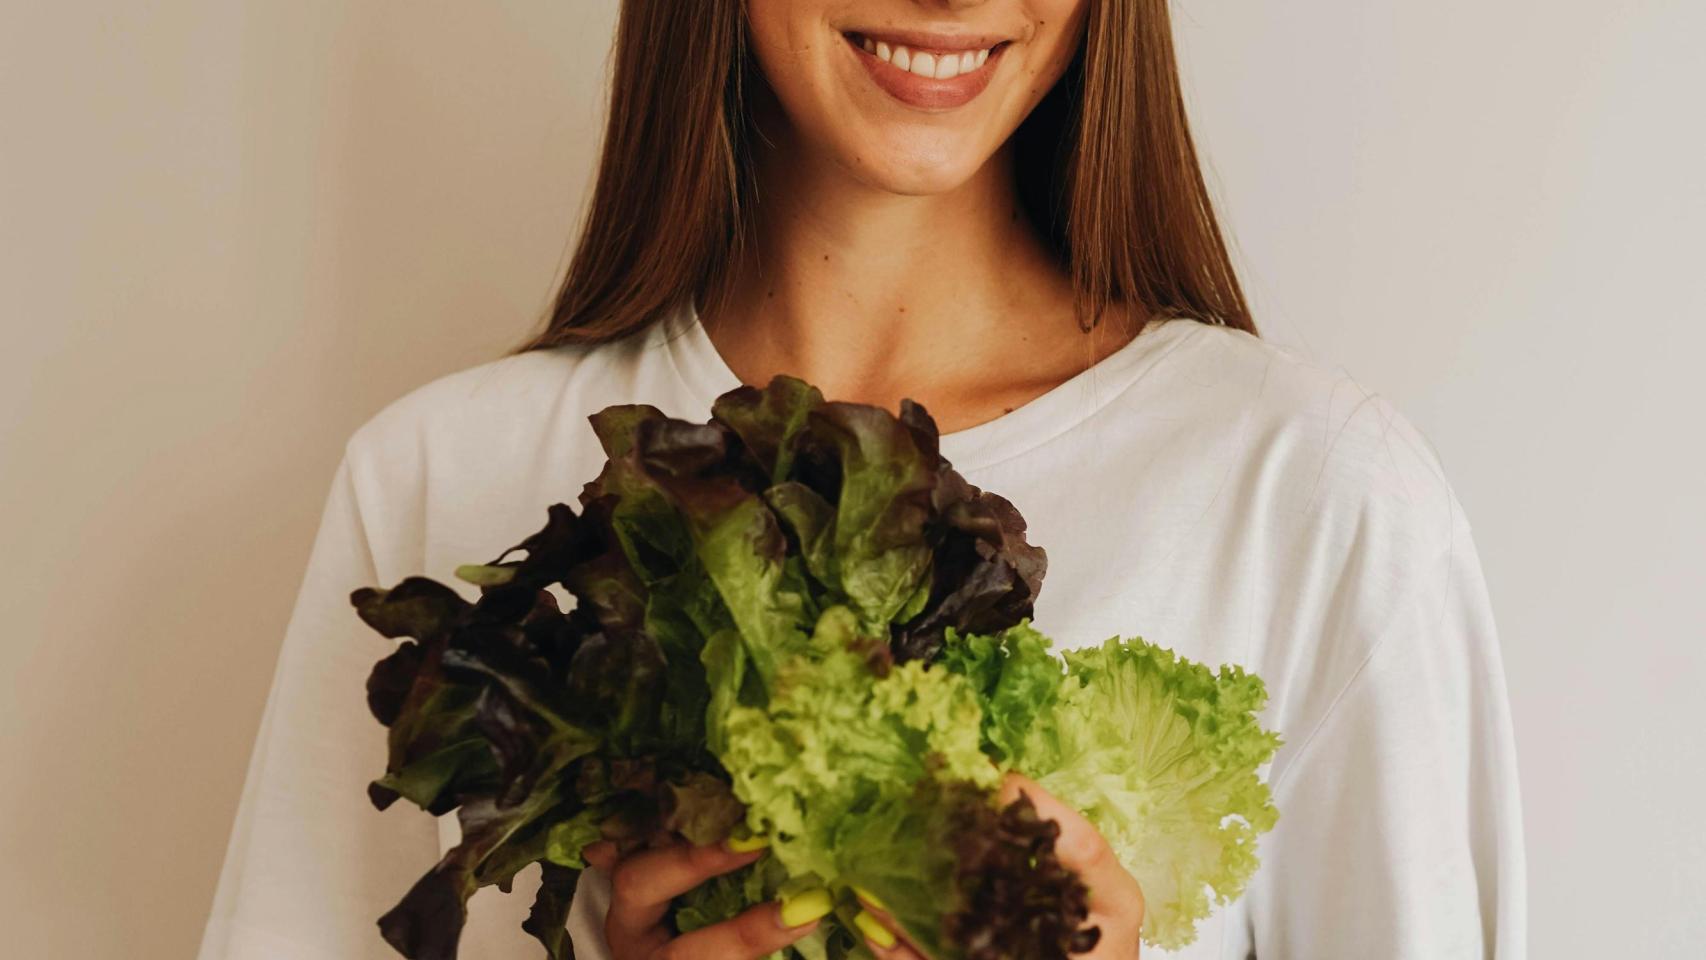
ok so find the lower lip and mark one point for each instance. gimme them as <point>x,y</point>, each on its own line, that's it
<point>927,92</point>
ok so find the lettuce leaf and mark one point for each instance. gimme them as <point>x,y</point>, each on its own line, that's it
<point>1161,754</point>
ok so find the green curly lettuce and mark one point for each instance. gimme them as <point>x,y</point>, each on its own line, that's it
<point>1161,754</point>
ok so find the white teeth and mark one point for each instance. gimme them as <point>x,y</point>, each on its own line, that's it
<point>937,66</point>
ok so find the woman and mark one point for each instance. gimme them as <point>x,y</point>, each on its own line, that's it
<point>993,208</point>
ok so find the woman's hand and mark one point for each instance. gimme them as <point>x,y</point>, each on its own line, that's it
<point>643,883</point>
<point>1116,903</point>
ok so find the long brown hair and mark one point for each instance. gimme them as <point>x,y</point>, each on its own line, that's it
<point>1105,164</point>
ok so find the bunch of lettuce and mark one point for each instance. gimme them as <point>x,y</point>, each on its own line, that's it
<point>798,621</point>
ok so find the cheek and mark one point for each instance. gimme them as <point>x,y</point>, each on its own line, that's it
<point>786,33</point>
<point>1057,13</point>
<point>786,40</point>
<point>1060,27</point>
<point>767,35</point>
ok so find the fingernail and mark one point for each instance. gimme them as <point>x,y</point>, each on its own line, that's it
<point>804,907</point>
<point>873,930</point>
<point>869,898</point>
<point>746,844</point>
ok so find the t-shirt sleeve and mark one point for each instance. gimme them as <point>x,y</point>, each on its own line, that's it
<point>1400,828</point>
<point>310,865</point>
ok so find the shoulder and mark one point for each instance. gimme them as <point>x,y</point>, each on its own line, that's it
<point>1344,505</point>
<point>437,470</point>
<point>511,400</point>
<point>1336,453</point>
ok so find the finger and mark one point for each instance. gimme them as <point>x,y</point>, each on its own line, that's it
<point>882,934</point>
<point>601,854</point>
<point>1080,845</point>
<point>604,854</point>
<point>757,932</point>
<point>883,938</point>
<point>643,883</point>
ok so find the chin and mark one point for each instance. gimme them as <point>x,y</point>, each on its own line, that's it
<point>914,168</point>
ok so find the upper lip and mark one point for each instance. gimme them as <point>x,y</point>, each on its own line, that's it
<point>930,39</point>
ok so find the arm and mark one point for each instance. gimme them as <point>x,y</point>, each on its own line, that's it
<point>311,865</point>
<point>1400,830</point>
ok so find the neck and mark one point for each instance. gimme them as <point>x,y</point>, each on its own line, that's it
<point>873,295</point>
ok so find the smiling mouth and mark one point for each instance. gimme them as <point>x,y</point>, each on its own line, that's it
<point>929,63</point>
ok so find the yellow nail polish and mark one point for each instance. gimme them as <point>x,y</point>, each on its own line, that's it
<point>806,906</point>
<point>869,898</point>
<point>877,933</point>
<point>746,844</point>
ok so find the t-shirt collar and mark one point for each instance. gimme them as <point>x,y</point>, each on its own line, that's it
<point>1063,407</point>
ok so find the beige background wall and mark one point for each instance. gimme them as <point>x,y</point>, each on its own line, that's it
<point>230,230</point>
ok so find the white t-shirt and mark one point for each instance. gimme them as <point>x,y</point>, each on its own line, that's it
<point>1201,487</point>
